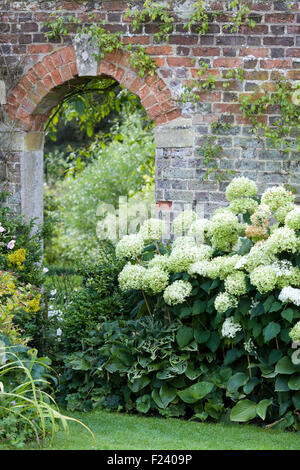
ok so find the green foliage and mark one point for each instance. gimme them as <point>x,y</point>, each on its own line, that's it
<point>141,61</point>
<point>211,152</point>
<point>27,410</point>
<point>26,236</point>
<point>281,132</point>
<point>241,16</point>
<point>78,200</point>
<point>153,11</point>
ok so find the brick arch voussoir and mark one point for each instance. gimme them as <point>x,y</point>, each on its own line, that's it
<point>59,67</point>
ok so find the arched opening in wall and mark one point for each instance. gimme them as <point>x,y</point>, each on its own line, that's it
<point>99,156</point>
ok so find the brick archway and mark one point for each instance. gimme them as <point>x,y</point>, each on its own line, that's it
<point>43,86</point>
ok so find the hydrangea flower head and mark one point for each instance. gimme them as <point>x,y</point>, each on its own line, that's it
<point>292,219</point>
<point>224,301</point>
<point>230,328</point>
<point>243,205</point>
<point>131,246</point>
<point>289,294</point>
<point>282,239</point>
<point>295,332</point>
<point>264,278</point>
<point>235,283</point>
<point>131,277</point>
<point>154,280</point>
<point>153,229</point>
<point>276,197</point>
<point>223,230</point>
<point>177,292</point>
<point>183,221</point>
<point>241,187</point>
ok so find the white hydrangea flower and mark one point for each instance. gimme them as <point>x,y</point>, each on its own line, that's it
<point>131,246</point>
<point>281,213</point>
<point>159,261</point>
<point>241,187</point>
<point>183,221</point>
<point>154,280</point>
<point>235,283</point>
<point>222,266</point>
<point>260,254</point>
<point>295,332</point>
<point>249,346</point>
<point>230,328</point>
<point>292,219</point>
<point>181,258</point>
<point>177,292</point>
<point>276,197</point>
<point>153,229</point>
<point>264,278</point>
<point>290,294</point>
<point>200,268</point>
<point>131,277</point>
<point>223,230</point>
<point>224,301</point>
<point>198,229</point>
<point>243,205</point>
<point>282,239</point>
<point>182,242</point>
<point>262,213</point>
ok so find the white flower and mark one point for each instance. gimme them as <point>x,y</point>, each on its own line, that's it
<point>183,221</point>
<point>198,229</point>
<point>130,246</point>
<point>153,229</point>
<point>131,277</point>
<point>249,346</point>
<point>289,294</point>
<point>240,187</point>
<point>45,270</point>
<point>177,292</point>
<point>2,229</point>
<point>11,244</point>
<point>224,301</point>
<point>58,332</point>
<point>230,328</point>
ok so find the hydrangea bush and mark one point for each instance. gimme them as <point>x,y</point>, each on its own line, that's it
<point>230,287</point>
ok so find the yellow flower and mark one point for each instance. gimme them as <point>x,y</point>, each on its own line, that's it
<point>34,304</point>
<point>17,258</point>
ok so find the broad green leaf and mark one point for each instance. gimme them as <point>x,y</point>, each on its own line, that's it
<point>143,404</point>
<point>261,408</point>
<point>285,366</point>
<point>281,384</point>
<point>201,336</point>
<point>243,411</point>
<point>236,381</point>
<point>294,382</point>
<point>214,341</point>
<point>139,384</point>
<point>288,314</point>
<point>184,336</point>
<point>195,392</point>
<point>271,331</point>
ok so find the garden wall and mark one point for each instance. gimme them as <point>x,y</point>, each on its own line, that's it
<point>35,74</point>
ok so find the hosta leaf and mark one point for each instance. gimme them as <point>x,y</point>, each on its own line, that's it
<point>236,381</point>
<point>294,382</point>
<point>243,411</point>
<point>184,336</point>
<point>261,408</point>
<point>195,392</point>
<point>285,366</point>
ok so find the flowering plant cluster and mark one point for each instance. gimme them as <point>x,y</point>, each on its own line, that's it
<point>233,284</point>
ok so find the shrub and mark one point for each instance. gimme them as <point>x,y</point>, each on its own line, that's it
<point>27,410</point>
<point>215,339</point>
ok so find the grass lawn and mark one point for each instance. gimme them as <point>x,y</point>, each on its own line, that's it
<point>116,431</point>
